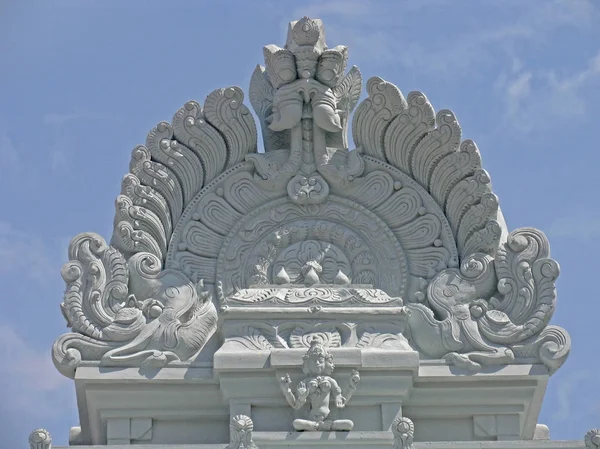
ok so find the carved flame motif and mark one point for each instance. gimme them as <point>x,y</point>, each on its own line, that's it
<point>408,222</point>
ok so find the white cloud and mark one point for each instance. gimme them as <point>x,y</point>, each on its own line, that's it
<point>56,119</point>
<point>533,98</point>
<point>445,49</point>
<point>27,375</point>
<point>564,393</point>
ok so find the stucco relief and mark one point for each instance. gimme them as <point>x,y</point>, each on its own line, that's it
<point>406,225</point>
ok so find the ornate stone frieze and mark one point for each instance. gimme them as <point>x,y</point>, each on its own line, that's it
<point>399,243</point>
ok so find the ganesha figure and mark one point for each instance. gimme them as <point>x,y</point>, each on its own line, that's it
<point>304,102</point>
<point>318,388</point>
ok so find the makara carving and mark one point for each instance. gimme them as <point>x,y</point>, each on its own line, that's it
<point>397,244</point>
<point>317,390</point>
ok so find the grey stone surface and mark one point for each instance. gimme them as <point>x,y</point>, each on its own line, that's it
<point>225,264</point>
<point>40,439</point>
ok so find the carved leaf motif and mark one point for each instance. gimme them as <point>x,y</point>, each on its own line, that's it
<point>142,220</point>
<point>401,208</point>
<point>244,195</point>
<point>453,168</point>
<point>159,177</point>
<point>224,109</point>
<point>443,140</point>
<point>191,129</point>
<point>250,338</point>
<point>465,194</point>
<point>420,233</point>
<point>328,336</point>
<point>199,239</point>
<point>216,213</point>
<point>182,161</point>
<point>194,265</point>
<point>426,262</point>
<point>526,277</point>
<point>96,277</point>
<point>485,240</point>
<point>372,189</point>
<point>261,92</point>
<point>374,114</point>
<point>348,90</point>
<point>407,130</point>
<point>381,337</point>
<point>149,198</point>
<point>476,218</point>
<point>552,346</point>
<point>130,240</point>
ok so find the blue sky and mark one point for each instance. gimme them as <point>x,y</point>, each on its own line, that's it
<point>84,81</point>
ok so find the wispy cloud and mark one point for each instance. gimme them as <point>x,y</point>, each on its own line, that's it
<point>60,118</point>
<point>9,157</point>
<point>564,393</point>
<point>498,49</point>
<point>388,33</point>
<point>25,255</point>
<point>27,377</point>
<point>576,226</point>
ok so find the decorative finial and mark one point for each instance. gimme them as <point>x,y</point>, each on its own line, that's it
<point>306,31</point>
<point>240,436</point>
<point>404,432</point>
<point>592,439</point>
<point>40,439</point>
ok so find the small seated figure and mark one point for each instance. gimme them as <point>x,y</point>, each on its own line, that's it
<point>318,387</point>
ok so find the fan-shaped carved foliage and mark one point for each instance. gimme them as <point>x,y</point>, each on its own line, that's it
<point>410,217</point>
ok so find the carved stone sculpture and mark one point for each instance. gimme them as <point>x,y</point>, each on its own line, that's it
<point>317,389</point>
<point>40,439</point>
<point>592,439</point>
<point>398,244</point>
<point>241,433</point>
<point>404,432</point>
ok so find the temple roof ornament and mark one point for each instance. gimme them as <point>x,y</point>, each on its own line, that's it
<point>222,253</point>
